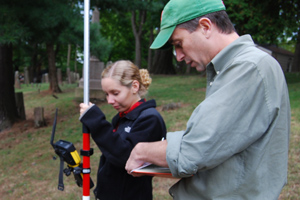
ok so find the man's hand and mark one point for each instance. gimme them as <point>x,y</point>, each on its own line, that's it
<point>151,152</point>
<point>134,161</point>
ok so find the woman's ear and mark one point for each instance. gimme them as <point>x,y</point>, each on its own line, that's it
<point>135,86</point>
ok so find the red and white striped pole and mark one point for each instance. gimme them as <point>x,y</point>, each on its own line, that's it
<point>86,167</point>
<point>86,73</point>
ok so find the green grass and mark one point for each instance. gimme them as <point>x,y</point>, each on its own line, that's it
<point>28,170</point>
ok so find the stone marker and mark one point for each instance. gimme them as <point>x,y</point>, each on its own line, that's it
<point>59,76</point>
<point>26,76</point>
<point>171,106</point>
<point>17,81</point>
<point>20,105</point>
<point>45,78</point>
<point>39,120</point>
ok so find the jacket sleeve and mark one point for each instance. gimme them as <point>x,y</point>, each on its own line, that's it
<point>95,121</point>
<point>115,145</point>
<point>147,128</point>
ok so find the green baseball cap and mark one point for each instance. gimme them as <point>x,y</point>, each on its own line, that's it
<point>179,11</point>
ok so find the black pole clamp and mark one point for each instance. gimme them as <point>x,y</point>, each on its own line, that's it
<point>78,176</point>
<point>87,153</point>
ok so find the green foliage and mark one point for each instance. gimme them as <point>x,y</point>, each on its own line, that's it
<point>256,18</point>
<point>48,19</point>
<point>116,28</point>
<point>290,13</point>
<point>293,80</point>
<point>99,46</point>
<point>269,22</point>
<point>116,25</point>
<point>11,30</point>
<point>29,24</point>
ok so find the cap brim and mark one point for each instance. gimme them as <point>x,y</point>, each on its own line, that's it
<point>161,41</point>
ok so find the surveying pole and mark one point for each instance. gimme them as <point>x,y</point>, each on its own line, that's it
<point>86,135</point>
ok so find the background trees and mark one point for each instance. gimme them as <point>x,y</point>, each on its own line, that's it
<point>269,22</point>
<point>290,10</point>
<point>45,35</point>
<point>37,32</point>
<point>11,31</point>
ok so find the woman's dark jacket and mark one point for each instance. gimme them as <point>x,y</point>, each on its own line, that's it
<point>143,124</point>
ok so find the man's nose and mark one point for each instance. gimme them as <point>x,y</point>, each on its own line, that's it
<point>179,55</point>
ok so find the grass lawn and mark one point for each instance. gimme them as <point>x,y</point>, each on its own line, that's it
<point>29,172</point>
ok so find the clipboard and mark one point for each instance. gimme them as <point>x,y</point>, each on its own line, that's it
<point>149,169</point>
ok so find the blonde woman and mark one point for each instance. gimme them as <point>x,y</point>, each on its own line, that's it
<point>137,121</point>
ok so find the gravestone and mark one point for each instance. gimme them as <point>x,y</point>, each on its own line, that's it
<point>95,89</point>
<point>72,77</point>
<point>171,106</point>
<point>96,15</point>
<point>69,75</point>
<point>45,78</point>
<point>59,77</point>
<point>17,81</point>
<point>26,76</point>
<point>96,68</point>
<point>77,77</point>
<point>20,105</point>
<point>39,120</point>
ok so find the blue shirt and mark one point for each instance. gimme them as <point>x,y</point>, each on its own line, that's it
<point>235,145</point>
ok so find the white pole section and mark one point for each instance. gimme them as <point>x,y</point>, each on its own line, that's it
<point>86,51</point>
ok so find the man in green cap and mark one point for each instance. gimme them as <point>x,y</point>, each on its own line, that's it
<point>235,145</point>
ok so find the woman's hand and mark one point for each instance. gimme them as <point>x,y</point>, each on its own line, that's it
<point>84,107</point>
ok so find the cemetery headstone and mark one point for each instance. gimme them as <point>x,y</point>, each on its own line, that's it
<point>20,105</point>
<point>59,76</point>
<point>39,120</point>
<point>26,76</point>
<point>17,80</point>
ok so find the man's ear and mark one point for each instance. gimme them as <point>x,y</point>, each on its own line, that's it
<point>135,86</point>
<point>205,26</point>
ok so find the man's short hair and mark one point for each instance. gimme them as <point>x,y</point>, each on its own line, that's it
<point>219,18</point>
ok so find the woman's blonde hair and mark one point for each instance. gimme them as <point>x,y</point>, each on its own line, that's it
<point>126,72</point>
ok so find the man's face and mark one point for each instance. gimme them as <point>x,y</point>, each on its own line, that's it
<point>191,47</point>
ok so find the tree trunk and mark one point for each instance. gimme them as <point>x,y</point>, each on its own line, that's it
<point>69,55</point>
<point>162,63</point>
<point>150,50</point>
<point>296,61</point>
<point>75,59</point>
<point>54,87</point>
<point>8,108</point>
<point>137,32</point>
<point>32,68</point>
<point>138,55</point>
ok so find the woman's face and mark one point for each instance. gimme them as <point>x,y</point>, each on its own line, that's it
<point>119,96</point>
